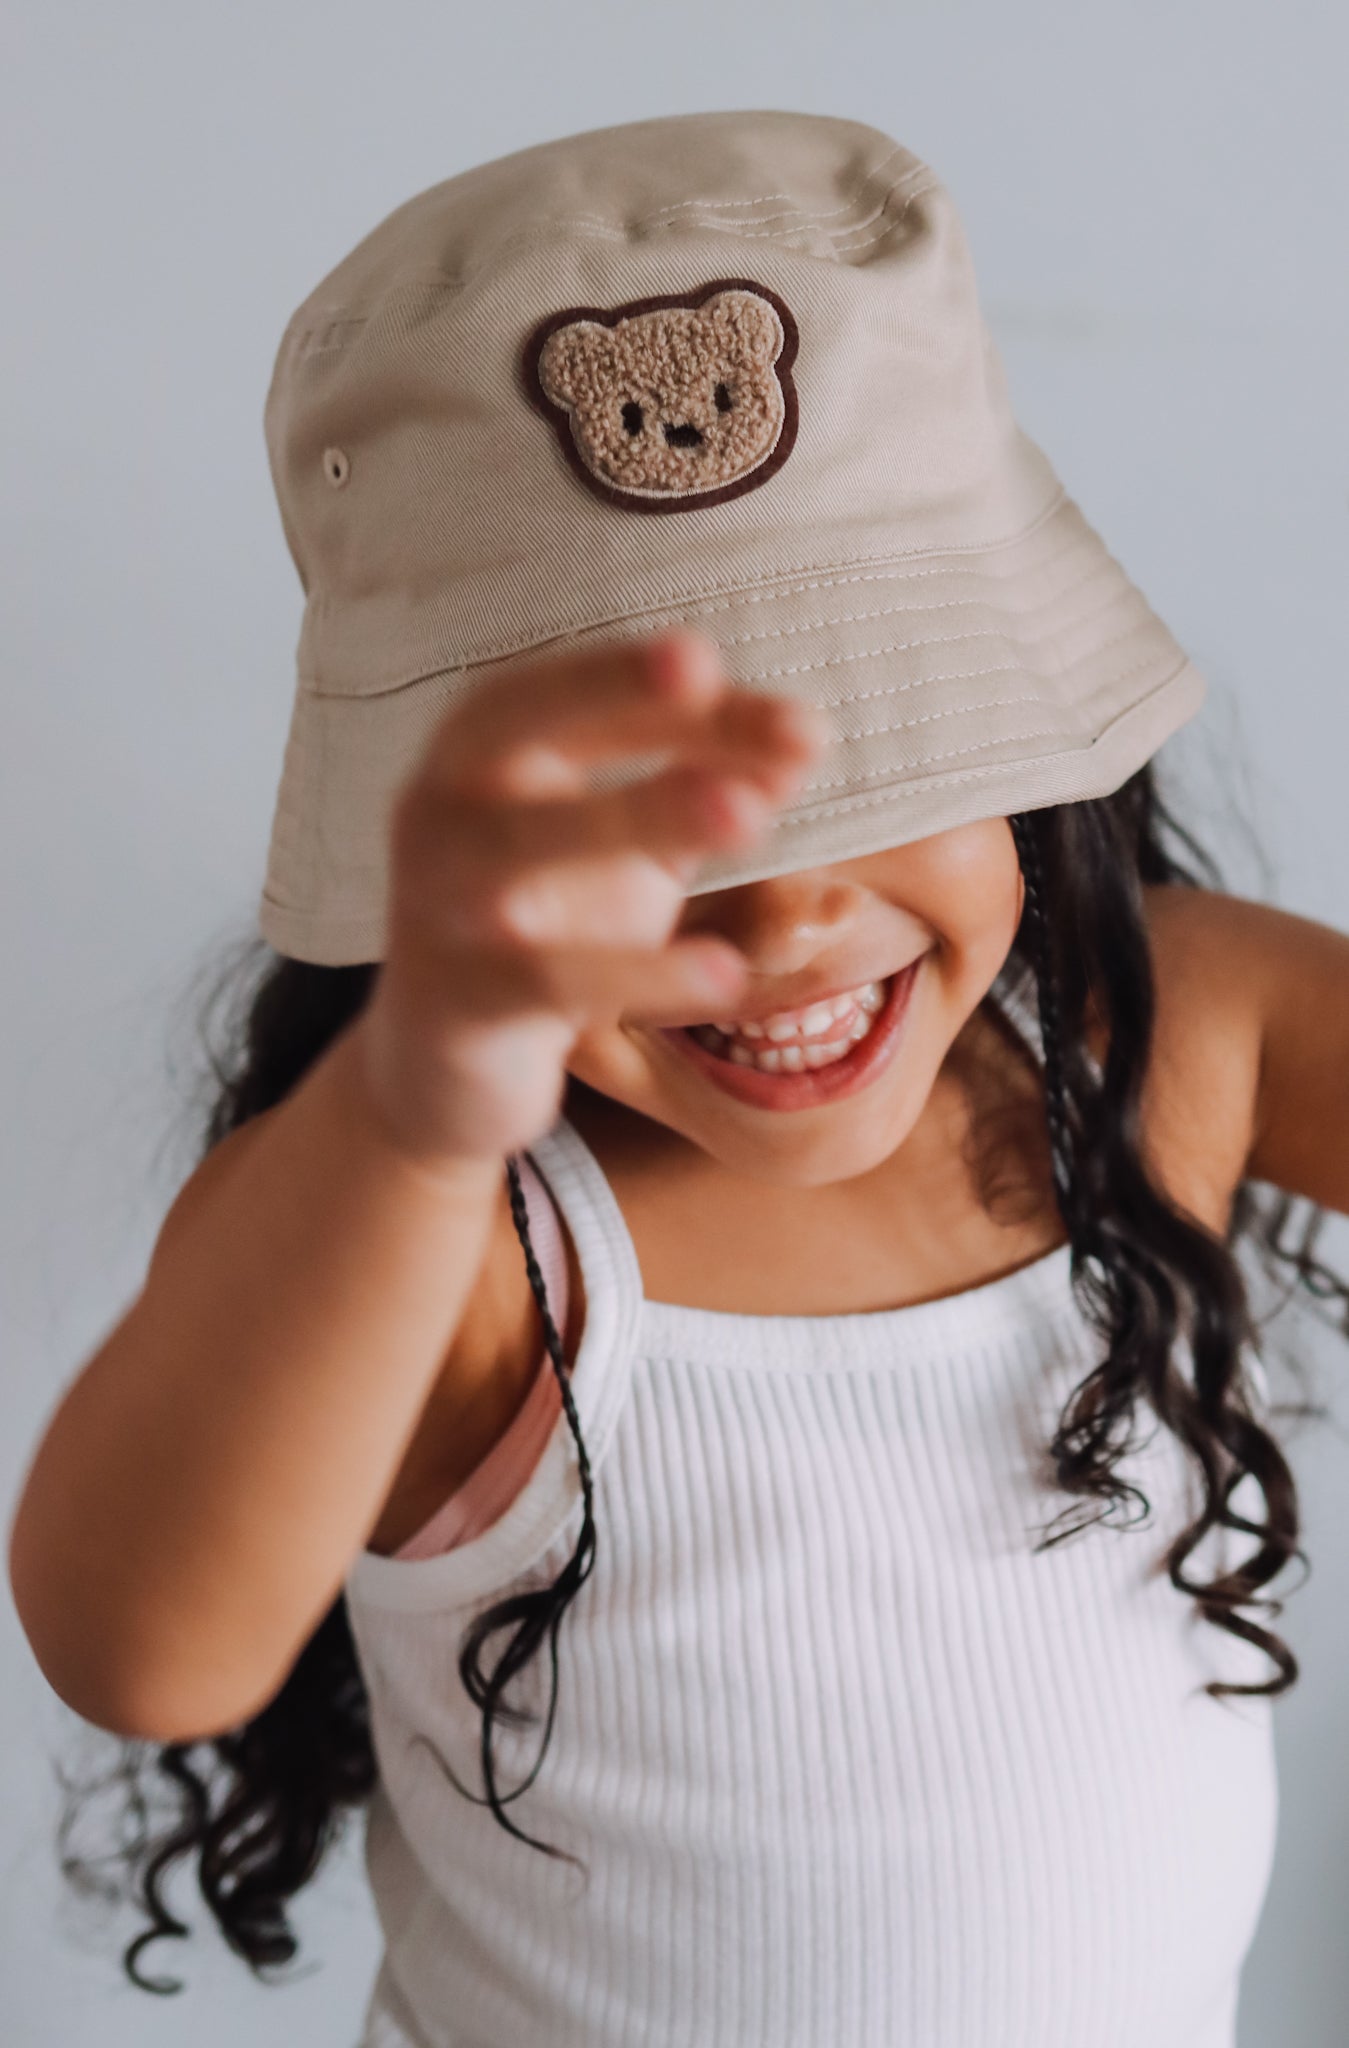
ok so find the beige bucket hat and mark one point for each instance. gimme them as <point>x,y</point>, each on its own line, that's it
<point>727,368</point>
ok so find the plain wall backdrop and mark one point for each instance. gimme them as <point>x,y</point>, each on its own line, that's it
<point>1156,197</point>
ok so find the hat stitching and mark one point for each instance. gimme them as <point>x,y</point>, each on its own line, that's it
<point>1007,739</point>
<point>838,236</point>
<point>893,689</point>
<point>338,313</point>
<point>918,646</point>
<point>841,250</point>
<point>802,216</point>
<point>769,593</point>
<point>765,590</point>
<point>762,226</point>
<point>890,610</point>
<point>765,595</point>
<point>1015,615</point>
<point>871,732</point>
<point>909,647</point>
<point>359,924</point>
<point>978,747</point>
<point>875,576</point>
<point>763,198</point>
<point>907,787</point>
<point>903,787</point>
<point>522,237</point>
<point>888,227</point>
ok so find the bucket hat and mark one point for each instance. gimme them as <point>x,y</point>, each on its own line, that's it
<point>722,368</point>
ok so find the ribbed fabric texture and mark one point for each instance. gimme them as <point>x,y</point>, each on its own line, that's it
<point>849,1764</point>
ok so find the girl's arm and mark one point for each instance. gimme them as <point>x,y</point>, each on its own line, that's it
<point>1282,984</point>
<point>204,1484</point>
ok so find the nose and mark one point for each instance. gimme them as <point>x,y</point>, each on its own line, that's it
<point>784,923</point>
<point>687,436</point>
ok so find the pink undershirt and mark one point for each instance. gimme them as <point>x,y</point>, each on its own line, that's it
<point>494,1484</point>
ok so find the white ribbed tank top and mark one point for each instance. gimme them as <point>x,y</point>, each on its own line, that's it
<point>850,1765</point>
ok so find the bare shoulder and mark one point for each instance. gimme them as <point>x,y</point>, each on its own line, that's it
<point>214,1167</point>
<point>1250,1072</point>
<point>1199,1096</point>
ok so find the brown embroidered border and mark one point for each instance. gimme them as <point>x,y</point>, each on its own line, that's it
<point>609,316</point>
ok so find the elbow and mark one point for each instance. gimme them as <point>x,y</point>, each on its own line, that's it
<point>115,1688</point>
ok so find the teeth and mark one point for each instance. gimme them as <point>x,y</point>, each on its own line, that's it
<point>785,1026</point>
<point>794,1059</point>
<point>813,1025</point>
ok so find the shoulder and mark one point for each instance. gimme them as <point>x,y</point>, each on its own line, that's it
<point>1251,1046</point>
<point>1278,983</point>
<point>1204,947</point>
<point>212,1168</point>
<point>1201,1092</point>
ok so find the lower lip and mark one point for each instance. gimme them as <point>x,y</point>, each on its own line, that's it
<point>858,1068</point>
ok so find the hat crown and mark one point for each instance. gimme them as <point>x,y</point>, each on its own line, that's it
<point>470,522</point>
<point>812,181</point>
<point>727,368</point>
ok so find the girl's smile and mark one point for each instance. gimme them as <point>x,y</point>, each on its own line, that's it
<point>871,1028</point>
<point>912,936</point>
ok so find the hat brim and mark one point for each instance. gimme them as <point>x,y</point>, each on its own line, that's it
<point>960,685</point>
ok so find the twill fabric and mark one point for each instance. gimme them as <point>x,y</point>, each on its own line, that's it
<point>728,369</point>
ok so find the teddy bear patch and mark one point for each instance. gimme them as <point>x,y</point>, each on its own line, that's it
<point>664,404</point>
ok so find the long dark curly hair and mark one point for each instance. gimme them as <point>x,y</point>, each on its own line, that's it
<point>260,1813</point>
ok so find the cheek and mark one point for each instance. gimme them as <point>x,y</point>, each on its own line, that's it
<point>968,892</point>
<point>971,884</point>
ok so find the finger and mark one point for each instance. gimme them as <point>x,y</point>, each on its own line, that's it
<point>605,866</point>
<point>685,810</point>
<point>532,734</point>
<point>598,984</point>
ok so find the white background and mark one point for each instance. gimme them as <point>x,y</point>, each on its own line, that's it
<point>1156,196</point>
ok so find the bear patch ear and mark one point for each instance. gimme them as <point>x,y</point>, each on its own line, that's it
<point>566,356</point>
<point>747,329</point>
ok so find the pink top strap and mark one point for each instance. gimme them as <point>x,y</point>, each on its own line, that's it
<point>491,1487</point>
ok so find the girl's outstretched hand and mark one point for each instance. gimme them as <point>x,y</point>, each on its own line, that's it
<point>525,908</point>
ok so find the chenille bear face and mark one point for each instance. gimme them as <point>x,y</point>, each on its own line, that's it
<point>676,405</point>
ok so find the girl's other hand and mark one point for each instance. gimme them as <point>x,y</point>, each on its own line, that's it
<point>525,909</point>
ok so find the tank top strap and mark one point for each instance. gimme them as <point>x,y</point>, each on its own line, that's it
<point>551,1500</point>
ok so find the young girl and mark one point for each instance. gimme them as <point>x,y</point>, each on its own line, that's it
<point>813,1595</point>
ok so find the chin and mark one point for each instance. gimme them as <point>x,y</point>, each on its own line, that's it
<point>815,1147</point>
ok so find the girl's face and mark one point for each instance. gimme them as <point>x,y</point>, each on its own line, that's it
<point>945,908</point>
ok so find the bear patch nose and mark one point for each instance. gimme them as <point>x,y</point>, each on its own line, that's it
<point>687,436</point>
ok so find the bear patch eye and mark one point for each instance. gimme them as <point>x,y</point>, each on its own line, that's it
<point>632,416</point>
<point>723,398</point>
